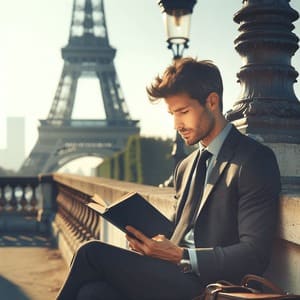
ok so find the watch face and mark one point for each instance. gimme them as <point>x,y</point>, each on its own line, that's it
<point>185,266</point>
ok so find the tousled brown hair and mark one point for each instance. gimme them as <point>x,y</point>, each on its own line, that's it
<point>196,78</point>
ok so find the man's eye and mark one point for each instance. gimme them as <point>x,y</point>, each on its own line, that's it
<point>184,111</point>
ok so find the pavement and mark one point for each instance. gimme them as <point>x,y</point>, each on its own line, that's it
<point>31,268</point>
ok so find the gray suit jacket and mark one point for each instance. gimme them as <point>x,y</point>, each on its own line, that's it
<point>237,221</point>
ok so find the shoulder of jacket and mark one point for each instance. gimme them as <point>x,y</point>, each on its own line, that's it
<point>249,147</point>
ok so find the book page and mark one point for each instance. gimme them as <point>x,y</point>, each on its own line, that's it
<point>123,198</point>
<point>97,198</point>
<point>99,208</point>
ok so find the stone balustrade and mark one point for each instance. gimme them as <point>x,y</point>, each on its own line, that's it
<point>20,203</point>
<point>18,194</point>
<point>58,202</point>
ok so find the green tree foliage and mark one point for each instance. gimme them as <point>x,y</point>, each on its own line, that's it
<point>144,160</point>
<point>133,160</point>
<point>118,166</point>
<point>105,170</point>
<point>156,161</point>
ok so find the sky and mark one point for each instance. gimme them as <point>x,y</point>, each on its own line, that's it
<point>34,31</point>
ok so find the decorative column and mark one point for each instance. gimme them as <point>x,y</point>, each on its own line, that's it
<point>267,107</point>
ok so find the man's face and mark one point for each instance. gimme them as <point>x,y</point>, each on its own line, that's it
<point>193,121</point>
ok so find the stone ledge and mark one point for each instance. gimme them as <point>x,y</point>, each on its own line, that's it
<point>162,198</point>
<point>289,217</point>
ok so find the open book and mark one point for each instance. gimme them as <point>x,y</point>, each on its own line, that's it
<point>132,209</point>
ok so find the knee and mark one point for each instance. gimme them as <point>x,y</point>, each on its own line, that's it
<point>88,246</point>
<point>86,250</point>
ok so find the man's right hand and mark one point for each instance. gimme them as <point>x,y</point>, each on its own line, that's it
<point>158,246</point>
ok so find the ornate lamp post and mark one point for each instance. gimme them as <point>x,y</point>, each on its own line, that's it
<point>177,18</point>
<point>267,107</point>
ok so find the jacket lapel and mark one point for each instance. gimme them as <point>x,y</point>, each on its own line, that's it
<point>189,171</point>
<point>186,179</point>
<point>223,159</point>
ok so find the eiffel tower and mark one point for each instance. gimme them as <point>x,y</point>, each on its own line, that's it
<point>62,139</point>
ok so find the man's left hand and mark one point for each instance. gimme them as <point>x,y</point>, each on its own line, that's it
<point>158,246</point>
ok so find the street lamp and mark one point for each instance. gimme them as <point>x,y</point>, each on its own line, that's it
<point>177,18</point>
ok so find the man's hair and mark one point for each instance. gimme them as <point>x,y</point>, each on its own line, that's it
<point>195,78</point>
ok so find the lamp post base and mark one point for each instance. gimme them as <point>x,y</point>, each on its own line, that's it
<point>282,135</point>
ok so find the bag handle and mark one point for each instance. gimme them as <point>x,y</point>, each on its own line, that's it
<point>227,287</point>
<point>264,281</point>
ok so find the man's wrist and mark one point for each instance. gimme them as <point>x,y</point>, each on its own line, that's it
<point>185,263</point>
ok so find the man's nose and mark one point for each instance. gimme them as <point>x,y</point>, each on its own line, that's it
<point>177,123</point>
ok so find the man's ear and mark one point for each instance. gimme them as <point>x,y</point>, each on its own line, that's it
<point>212,101</point>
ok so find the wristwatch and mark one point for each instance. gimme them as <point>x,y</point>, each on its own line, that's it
<point>185,263</point>
<point>185,254</point>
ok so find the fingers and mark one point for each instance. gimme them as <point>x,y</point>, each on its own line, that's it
<point>135,244</point>
<point>136,239</point>
<point>139,242</point>
<point>137,234</point>
<point>158,246</point>
<point>159,238</point>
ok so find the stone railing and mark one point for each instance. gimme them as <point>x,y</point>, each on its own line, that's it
<point>57,202</point>
<point>74,221</point>
<point>20,203</point>
<point>71,217</point>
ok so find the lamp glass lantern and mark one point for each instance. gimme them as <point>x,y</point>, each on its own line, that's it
<point>177,18</point>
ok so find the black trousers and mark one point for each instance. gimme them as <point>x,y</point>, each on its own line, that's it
<point>102,271</point>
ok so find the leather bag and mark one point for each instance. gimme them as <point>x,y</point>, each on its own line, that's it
<point>223,290</point>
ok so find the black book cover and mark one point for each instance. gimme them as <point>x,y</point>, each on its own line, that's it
<point>133,209</point>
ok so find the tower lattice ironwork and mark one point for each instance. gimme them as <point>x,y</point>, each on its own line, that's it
<point>61,138</point>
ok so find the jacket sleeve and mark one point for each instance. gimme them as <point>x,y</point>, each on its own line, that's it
<point>258,192</point>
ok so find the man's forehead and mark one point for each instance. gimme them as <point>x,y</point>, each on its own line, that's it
<point>178,102</point>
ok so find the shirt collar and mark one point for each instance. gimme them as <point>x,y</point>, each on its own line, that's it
<point>216,144</point>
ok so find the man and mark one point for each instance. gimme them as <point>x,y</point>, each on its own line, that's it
<point>227,193</point>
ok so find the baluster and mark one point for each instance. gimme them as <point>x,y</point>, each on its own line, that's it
<point>3,201</point>
<point>9,196</point>
<point>87,223</point>
<point>33,201</point>
<point>27,196</point>
<point>95,221</point>
<point>22,198</point>
<point>81,222</point>
<point>76,214</point>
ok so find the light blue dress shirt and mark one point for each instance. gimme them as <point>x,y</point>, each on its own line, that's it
<point>214,148</point>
